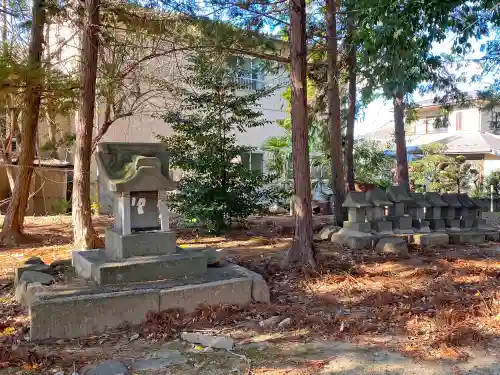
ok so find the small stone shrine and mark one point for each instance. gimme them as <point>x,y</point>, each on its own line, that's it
<point>451,213</point>
<point>141,270</point>
<point>468,212</point>
<point>357,206</point>
<point>416,210</point>
<point>482,206</point>
<point>375,215</point>
<point>401,222</point>
<point>433,213</point>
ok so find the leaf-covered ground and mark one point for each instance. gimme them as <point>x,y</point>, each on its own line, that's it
<point>436,304</point>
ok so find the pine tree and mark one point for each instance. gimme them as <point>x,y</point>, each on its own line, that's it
<point>216,188</point>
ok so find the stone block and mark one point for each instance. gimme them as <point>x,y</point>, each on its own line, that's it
<point>260,290</point>
<point>433,213</point>
<point>472,238</point>
<point>69,317</point>
<point>431,239</point>
<point>398,209</point>
<point>190,297</point>
<point>416,213</point>
<point>138,269</point>
<point>452,223</point>
<point>448,213</point>
<point>466,223</point>
<point>392,245</point>
<point>32,267</point>
<point>353,242</point>
<point>421,225</point>
<point>357,215</point>
<point>493,236</point>
<point>403,222</point>
<point>120,246</point>
<point>468,213</point>
<point>374,213</point>
<point>358,227</point>
<point>326,232</point>
<point>382,226</point>
<point>437,224</point>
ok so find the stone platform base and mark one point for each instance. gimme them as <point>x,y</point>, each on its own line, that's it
<point>430,239</point>
<point>66,311</point>
<point>471,238</point>
<point>95,265</point>
<point>353,239</point>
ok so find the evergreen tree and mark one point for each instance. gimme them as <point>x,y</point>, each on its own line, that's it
<point>216,187</point>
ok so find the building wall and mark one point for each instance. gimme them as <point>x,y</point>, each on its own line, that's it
<point>491,163</point>
<point>471,121</point>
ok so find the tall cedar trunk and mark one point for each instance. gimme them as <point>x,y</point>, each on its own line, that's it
<point>334,124</point>
<point>51,110</point>
<point>13,223</point>
<point>83,232</point>
<point>302,249</point>
<point>351,113</point>
<point>399,133</point>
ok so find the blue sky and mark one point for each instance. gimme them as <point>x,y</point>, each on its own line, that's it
<point>379,113</point>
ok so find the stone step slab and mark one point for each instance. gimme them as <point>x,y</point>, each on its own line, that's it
<point>471,238</point>
<point>94,264</point>
<point>431,239</point>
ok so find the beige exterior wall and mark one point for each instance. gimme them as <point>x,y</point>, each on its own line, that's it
<point>491,163</point>
<point>472,121</point>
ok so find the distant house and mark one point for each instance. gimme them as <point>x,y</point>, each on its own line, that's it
<point>465,131</point>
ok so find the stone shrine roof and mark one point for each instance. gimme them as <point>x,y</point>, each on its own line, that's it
<point>378,197</point>
<point>398,194</point>
<point>435,199</point>
<point>452,200</point>
<point>129,167</point>
<point>419,201</point>
<point>356,199</point>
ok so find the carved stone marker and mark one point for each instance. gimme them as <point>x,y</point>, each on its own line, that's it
<point>433,213</point>
<point>416,210</point>
<point>376,214</point>
<point>357,204</point>
<point>397,213</point>
<point>451,213</point>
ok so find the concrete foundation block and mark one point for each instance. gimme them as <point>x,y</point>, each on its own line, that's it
<point>493,236</point>
<point>149,243</point>
<point>152,268</point>
<point>479,223</point>
<point>190,297</point>
<point>471,238</point>
<point>353,242</point>
<point>358,227</point>
<point>69,317</point>
<point>431,239</point>
<point>392,245</point>
<point>260,290</point>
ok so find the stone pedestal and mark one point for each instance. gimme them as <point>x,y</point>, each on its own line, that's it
<point>401,223</point>
<point>433,213</point>
<point>376,215</point>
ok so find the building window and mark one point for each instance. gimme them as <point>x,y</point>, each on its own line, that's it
<point>436,125</point>
<point>459,121</point>
<point>250,74</point>
<point>253,160</point>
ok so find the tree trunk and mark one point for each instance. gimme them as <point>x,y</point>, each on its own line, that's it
<point>83,232</point>
<point>402,176</point>
<point>302,249</point>
<point>351,113</point>
<point>334,124</point>
<point>14,219</point>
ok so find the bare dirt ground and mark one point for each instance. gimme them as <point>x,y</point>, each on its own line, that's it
<point>436,311</point>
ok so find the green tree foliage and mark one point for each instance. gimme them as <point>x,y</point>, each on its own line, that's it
<point>439,172</point>
<point>371,165</point>
<point>493,179</point>
<point>216,188</point>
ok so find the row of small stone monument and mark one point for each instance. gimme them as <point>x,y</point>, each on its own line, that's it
<point>380,213</point>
